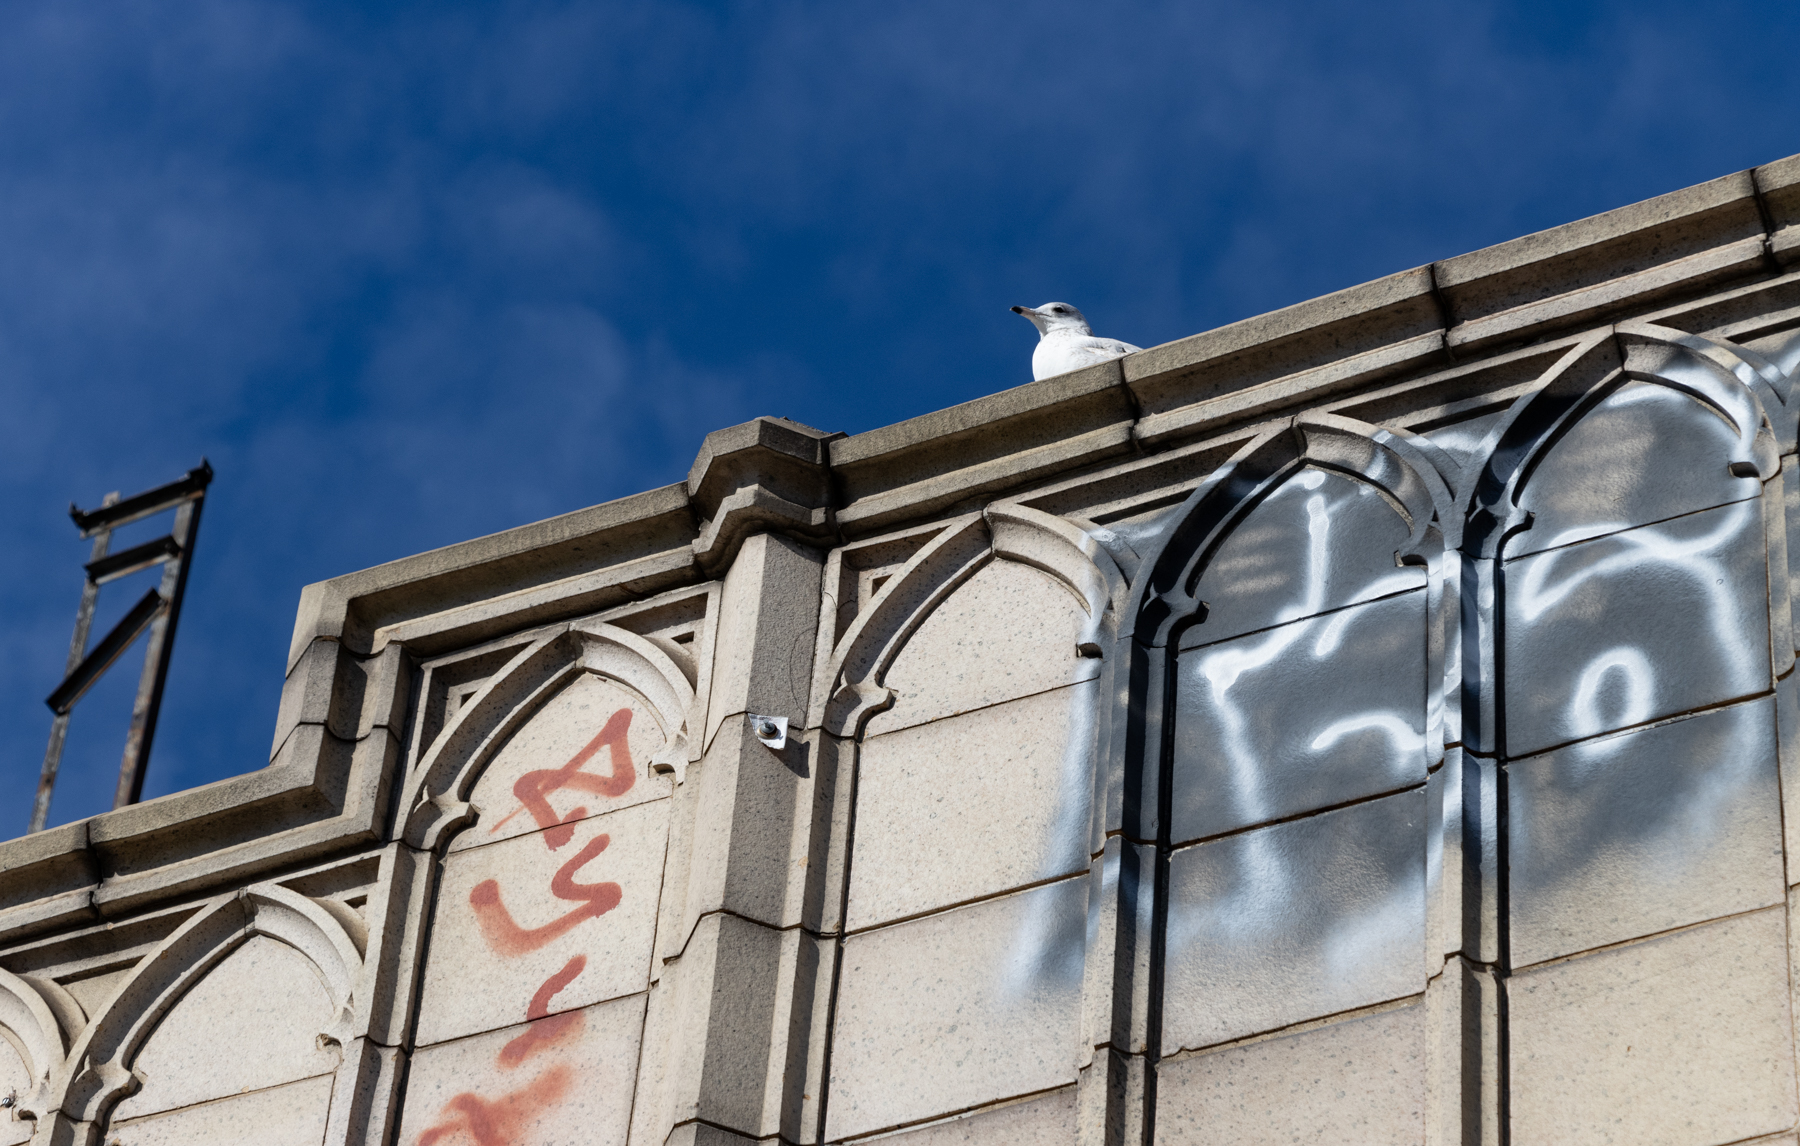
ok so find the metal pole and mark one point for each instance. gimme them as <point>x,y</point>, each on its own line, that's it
<point>59,728</point>
<point>156,657</point>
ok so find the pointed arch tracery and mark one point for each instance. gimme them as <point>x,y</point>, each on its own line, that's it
<point>97,1071</point>
<point>436,798</point>
<point>855,676</point>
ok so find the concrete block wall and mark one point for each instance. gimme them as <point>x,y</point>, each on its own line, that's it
<point>1373,722</point>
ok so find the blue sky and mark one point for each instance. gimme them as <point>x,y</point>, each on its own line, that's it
<point>412,273</point>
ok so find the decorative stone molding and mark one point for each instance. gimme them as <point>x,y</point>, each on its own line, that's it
<point>766,475</point>
<point>98,1072</point>
<point>855,688</point>
<point>1406,469</point>
<point>39,1018</point>
<point>436,795</point>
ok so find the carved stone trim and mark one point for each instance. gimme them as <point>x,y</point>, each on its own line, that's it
<point>97,1072</point>
<point>855,688</point>
<point>436,798</point>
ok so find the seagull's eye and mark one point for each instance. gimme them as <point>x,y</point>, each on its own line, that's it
<point>1058,310</point>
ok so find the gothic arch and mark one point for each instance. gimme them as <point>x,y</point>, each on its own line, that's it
<point>436,796</point>
<point>1415,481</point>
<point>97,1072</point>
<point>1730,382</point>
<point>856,688</point>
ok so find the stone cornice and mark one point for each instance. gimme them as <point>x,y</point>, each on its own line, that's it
<point>1415,349</point>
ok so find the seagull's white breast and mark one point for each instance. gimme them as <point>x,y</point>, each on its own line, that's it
<point>1061,351</point>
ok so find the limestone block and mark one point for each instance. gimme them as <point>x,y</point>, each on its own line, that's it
<point>566,1078</point>
<point>1356,1082</point>
<point>1319,542</point>
<point>521,917</point>
<point>1623,629</point>
<point>1682,1040</point>
<point>718,1027</point>
<point>972,805</point>
<point>1009,631</point>
<point>958,1009</point>
<point>1643,832</point>
<point>291,1115</point>
<point>1304,919</point>
<point>1646,453</point>
<point>613,731</point>
<point>252,1022</point>
<point>768,617</point>
<point>1046,1121</point>
<point>1302,716</point>
<point>746,846</point>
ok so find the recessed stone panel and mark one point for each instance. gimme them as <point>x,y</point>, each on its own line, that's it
<point>1646,453</point>
<point>1008,631</point>
<point>1308,715</point>
<point>1625,629</point>
<point>585,752</point>
<point>1046,1121</point>
<point>969,1006</point>
<point>1319,542</point>
<point>972,805</point>
<point>1683,1040</point>
<point>1360,1082</point>
<point>251,1022</point>
<point>1297,921</point>
<point>1628,835</point>
<point>567,1078</point>
<point>528,923</point>
<point>291,1115</point>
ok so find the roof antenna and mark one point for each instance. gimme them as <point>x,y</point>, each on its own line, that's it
<point>158,611</point>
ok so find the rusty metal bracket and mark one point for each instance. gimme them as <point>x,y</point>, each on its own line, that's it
<point>156,612</point>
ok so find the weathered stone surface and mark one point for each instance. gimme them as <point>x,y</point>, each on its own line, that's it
<point>1009,631</point>
<point>1680,1040</point>
<point>291,1115</point>
<point>15,1079</point>
<point>1049,1120</point>
<point>972,805</point>
<point>251,1023</point>
<point>1357,1081</point>
<point>958,1009</point>
<point>565,1078</point>
<point>516,915</point>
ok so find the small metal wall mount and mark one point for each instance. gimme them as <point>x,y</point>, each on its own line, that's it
<point>157,611</point>
<point>771,730</point>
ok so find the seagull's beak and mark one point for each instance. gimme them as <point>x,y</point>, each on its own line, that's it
<point>1035,318</point>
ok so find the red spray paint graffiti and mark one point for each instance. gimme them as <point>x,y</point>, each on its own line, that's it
<point>505,1121</point>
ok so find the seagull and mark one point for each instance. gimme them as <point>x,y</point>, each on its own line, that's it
<point>1066,342</point>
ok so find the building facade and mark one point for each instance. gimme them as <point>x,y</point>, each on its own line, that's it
<point>1372,722</point>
